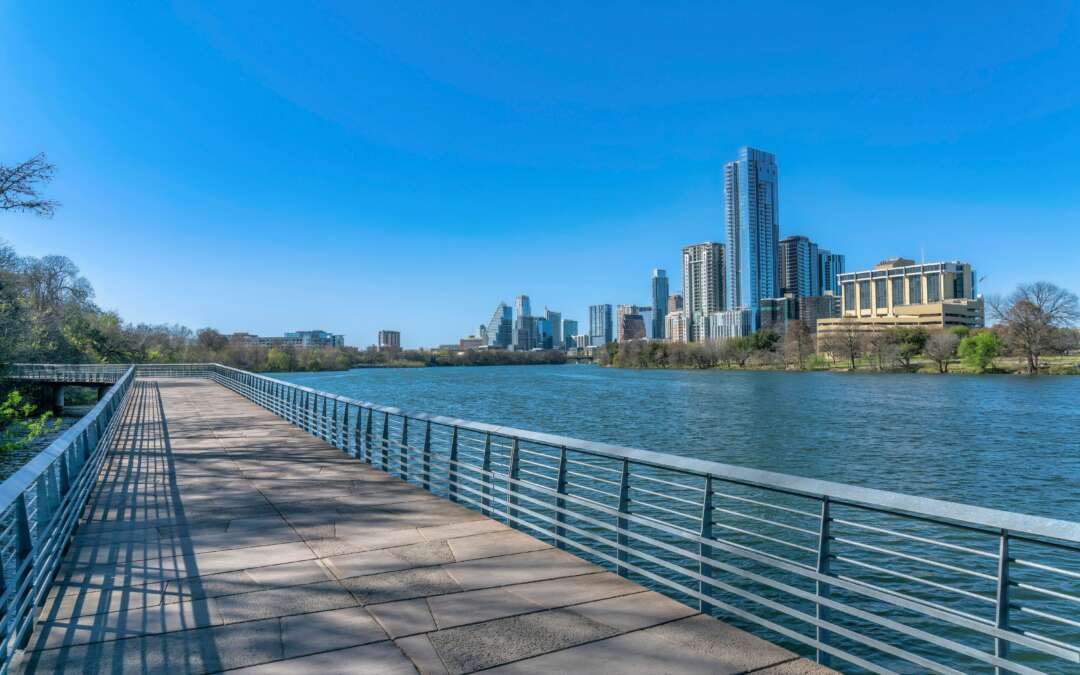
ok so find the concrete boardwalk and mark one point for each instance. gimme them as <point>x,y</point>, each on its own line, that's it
<point>220,537</point>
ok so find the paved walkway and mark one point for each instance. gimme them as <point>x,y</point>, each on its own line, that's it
<point>220,537</point>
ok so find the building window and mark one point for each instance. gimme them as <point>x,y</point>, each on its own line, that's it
<point>849,297</point>
<point>880,299</point>
<point>933,288</point>
<point>958,284</point>
<point>864,295</point>
<point>914,294</point>
<point>898,291</point>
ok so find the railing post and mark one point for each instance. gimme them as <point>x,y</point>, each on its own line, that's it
<point>453,465</point>
<point>560,503</point>
<point>824,564</point>
<point>385,455</point>
<point>403,450</point>
<point>512,480</point>
<point>704,550</point>
<point>324,426</point>
<point>345,435</point>
<point>425,470</point>
<point>368,438</point>
<point>485,478</point>
<point>335,437</point>
<point>1001,645</point>
<point>623,524</point>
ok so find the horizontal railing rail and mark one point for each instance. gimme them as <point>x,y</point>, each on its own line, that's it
<point>39,507</point>
<point>861,579</point>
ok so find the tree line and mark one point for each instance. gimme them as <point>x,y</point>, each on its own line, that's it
<point>1035,321</point>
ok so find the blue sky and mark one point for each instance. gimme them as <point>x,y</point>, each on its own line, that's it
<point>254,166</point>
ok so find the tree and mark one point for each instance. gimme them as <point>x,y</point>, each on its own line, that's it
<point>213,341</point>
<point>910,343</point>
<point>1031,316</point>
<point>845,342</point>
<point>978,350</point>
<point>20,186</point>
<point>881,346</point>
<point>798,344</point>
<point>19,423</point>
<point>941,347</point>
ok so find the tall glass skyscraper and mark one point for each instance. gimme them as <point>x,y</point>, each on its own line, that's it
<point>659,303</point>
<point>501,327</point>
<point>751,214</point>
<point>522,310</point>
<point>600,321</point>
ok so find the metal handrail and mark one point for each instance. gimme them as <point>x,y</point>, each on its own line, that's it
<point>877,580</point>
<point>39,508</point>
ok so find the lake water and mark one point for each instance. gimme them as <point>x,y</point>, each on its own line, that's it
<point>1004,442</point>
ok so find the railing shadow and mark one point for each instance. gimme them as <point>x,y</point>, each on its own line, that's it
<point>116,582</point>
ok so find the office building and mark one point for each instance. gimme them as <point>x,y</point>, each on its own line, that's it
<point>501,327</point>
<point>899,293</point>
<point>631,327</point>
<point>798,264</point>
<point>627,310</point>
<point>648,315</point>
<point>529,332</point>
<point>556,321</point>
<point>674,303</point>
<point>827,267</point>
<point>703,287</point>
<point>776,313</point>
<point>600,328</point>
<point>569,330</point>
<point>816,307</point>
<point>583,341</point>
<point>522,311</point>
<point>389,339</point>
<point>303,339</point>
<point>675,326</point>
<point>731,323</point>
<point>659,303</point>
<point>751,215</point>
<point>471,342</point>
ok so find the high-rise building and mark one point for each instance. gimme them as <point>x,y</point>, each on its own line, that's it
<point>600,329</point>
<point>777,313</point>
<point>389,339</point>
<point>675,328</point>
<point>798,260</point>
<point>501,327</point>
<point>631,327</point>
<point>569,330</point>
<point>816,307</point>
<point>751,215</point>
<point>529,332</point>
<point>659,302</point>
<point>648,315</point>
<point>628,310</point>
<point>703,287</point>
<point>731,323</point>
<point>827,267</point>
<point>556,321</point>
<point>900,293</point>
<point>674,303</point>
<point>522,311</point>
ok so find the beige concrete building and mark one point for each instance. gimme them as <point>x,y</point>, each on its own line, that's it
<point>900,293</point>
<point>675,326</point>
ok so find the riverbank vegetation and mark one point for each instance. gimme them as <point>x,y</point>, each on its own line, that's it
<point>1034,332</point>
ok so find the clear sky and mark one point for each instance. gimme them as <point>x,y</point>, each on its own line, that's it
<point>264,167</point>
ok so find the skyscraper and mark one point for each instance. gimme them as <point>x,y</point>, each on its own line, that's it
<point>751,215</point>
<point>556,320</point>
<point>659,302</point>
<point>522,310</point>
<point>569,330</point>
<point>703,287</point>
<point>798,267</point>
<point>827,266</point>
<point>600,325</point>
<point>501,327</point>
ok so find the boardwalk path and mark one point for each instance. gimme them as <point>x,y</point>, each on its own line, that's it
<point>221,537</point>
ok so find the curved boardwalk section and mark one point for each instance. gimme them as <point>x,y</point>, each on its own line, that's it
<point>220,537</point>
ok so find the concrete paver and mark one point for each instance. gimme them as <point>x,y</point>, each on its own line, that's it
<point>219,537</point>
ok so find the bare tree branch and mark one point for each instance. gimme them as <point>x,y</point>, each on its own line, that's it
<point>20,186</point>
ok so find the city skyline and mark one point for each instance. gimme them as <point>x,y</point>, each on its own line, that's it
<point>423,173</point>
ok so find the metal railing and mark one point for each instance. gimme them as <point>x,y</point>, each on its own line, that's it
<point>40,505</point>
<point>861,579</point>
